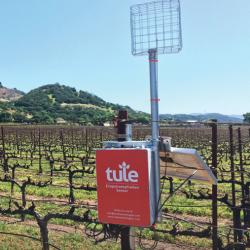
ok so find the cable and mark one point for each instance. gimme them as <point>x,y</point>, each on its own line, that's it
<point>180,186</point>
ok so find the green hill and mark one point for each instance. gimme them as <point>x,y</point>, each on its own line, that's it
<point>55,103</point>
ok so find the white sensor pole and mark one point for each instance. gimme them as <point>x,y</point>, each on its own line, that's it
<point>153,67</point>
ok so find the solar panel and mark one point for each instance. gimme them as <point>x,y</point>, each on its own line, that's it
<point>183,163</point>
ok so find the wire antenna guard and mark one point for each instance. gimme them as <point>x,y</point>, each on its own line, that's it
<point>156,25</point>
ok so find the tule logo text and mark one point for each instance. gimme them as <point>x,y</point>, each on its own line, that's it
<point>123,174</point>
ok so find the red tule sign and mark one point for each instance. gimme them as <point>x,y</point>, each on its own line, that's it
<point>123,186</point>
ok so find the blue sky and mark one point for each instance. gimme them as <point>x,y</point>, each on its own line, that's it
<point>86,44</point>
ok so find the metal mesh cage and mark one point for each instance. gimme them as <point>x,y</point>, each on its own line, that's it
<point>156,25</point>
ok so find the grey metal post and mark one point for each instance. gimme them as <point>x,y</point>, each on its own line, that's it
<point>153,67</point>
<point>214,187</point>
<point>128,132</point>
